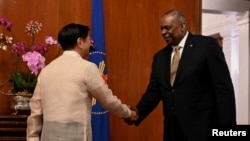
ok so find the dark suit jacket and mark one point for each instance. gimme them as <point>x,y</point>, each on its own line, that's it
<point>202,96</point>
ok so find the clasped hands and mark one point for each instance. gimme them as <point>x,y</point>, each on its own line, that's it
<point>134,116</point>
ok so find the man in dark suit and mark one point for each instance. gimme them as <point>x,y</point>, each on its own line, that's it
<point>202,94</point>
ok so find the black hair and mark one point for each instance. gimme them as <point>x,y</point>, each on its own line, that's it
<point>68,35</point>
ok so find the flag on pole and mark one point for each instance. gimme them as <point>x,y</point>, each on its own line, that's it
<point>100,116</point>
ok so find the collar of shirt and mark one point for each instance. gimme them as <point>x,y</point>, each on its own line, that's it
<point>181,44</point>
<point>71,52</point>
<point>183,41</point>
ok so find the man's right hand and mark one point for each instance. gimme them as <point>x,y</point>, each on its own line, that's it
<point>134,116</point>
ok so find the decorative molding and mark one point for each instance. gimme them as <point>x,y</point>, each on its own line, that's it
<point>227,27</point>
<point>243,19</point>
<point>226,5</point>
<point>223,24</point>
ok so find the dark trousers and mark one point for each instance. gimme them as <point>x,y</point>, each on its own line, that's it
<point>175,133</point>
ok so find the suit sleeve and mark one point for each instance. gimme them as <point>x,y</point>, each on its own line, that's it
<point>151,97</point>
<point>224,91</point>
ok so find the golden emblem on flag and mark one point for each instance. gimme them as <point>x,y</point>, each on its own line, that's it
<point>101,67</point>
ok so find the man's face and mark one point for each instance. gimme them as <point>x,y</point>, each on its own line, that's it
<point>172,29</point>
<point>87,44</point>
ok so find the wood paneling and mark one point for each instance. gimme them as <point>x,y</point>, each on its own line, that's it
<point>13,128</point>
<point>132,36</point>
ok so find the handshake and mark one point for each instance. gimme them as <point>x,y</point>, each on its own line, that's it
<point>134,116</point>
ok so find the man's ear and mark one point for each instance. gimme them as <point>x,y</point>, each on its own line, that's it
<point>79,41</point>
<point>183,26</point>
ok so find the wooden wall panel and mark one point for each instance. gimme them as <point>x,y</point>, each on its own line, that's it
<point>132,35</point>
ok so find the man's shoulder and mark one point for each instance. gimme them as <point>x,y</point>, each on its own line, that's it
<point>164,49</point>
<point>162,52</point>
<point>200,36</point>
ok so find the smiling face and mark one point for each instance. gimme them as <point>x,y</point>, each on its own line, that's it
<point>173,28</point>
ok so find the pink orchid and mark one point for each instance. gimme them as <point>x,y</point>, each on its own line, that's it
<point>50,40</point>
<point>35,61</point>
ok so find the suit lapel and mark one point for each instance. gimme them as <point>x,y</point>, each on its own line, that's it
<point>168,67</point>
<point>164,69</point>
<point>187,51</point>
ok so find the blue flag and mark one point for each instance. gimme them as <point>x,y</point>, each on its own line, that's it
<point>100,116</point>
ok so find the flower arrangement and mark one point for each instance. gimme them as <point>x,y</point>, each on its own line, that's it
<point>32,54</point>
<point>5,39</point>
